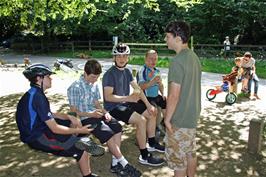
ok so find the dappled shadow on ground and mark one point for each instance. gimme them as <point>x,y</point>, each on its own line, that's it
<point>18,159</point>
<point>222,145</point>
<point>222,140</point>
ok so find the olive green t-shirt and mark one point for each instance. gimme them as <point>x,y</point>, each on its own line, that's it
<point>185,69</point>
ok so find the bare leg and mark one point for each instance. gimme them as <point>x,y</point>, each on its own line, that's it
<point>244,84</point>
<point>180,173</point>
<point>84,164</point>
<point>114,148</point>
<point>192,165</point>
<point>140,123</point>
<point>151,124</point>
<point>159,116</point>
<point>117,139</point>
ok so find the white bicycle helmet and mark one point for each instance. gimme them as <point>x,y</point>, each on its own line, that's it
<point>121,49</point>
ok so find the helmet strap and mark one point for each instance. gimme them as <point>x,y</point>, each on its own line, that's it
<point>120,66</point>
<point>42,82</point>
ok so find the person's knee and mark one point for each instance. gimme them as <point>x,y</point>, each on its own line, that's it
<point>149,116</point>
<point>140,121</point>
<point>84,156</point>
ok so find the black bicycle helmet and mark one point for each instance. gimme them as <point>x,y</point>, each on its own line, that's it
<point>37,70</point>
<point>121,49</point>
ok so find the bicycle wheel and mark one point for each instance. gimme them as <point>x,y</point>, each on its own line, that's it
<point>230,98</point>
<point>209,95</point>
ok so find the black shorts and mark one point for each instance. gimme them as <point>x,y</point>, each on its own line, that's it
<point>59,145</point>
<point>104,130</point>
<point>157,101</point>
<point>124,111</point>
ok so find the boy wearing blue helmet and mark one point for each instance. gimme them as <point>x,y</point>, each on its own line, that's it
<point>50,132</point>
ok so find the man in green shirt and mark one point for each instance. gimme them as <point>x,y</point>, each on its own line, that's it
<point>183,101</point>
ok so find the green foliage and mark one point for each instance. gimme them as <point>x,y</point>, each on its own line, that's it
<point>208,65</point>
<point>100,54</point>
<point>135,20</point>
<point>261,69</point>
<point>217,66</point>
<point>139,60</point>
<point>90,54</point>
<point>213,65</point>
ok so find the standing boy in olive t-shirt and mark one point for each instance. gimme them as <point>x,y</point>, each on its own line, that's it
<point>183,101</point>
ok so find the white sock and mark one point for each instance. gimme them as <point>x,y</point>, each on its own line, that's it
<point>123,161</point>
<point>114,161</point>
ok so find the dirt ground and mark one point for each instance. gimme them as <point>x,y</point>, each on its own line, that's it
<point>221,139</point>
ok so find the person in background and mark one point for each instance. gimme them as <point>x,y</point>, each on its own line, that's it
<point>249,67</point>
<point>183,101</point>
<point>131,108</point>
<point>83,96</point>
<point>51,132</point>
<point>227,47</point>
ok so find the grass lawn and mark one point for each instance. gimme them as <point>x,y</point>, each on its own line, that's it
<point>213,65</point>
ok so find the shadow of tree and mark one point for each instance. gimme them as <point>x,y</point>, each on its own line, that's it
<point>221,138</point>
<point>17,159</point>
<point>222,141</point>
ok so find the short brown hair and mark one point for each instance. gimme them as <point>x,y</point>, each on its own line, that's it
<point>179,28</point>
<point>93,67</point>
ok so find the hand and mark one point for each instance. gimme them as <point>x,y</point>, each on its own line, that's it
<point>168,126</point>
<point>156,79</point>
<point>84,130</point>
<point>152,110</point>
<point>134,97</point>
<point>108,117</point>
<point>97,113</point>
<point>74,121</point>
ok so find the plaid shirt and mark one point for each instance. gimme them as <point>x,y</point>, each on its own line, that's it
<point>83,95</point>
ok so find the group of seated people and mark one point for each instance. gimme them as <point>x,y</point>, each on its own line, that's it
<point>244,71</point>
<point>66,135</point>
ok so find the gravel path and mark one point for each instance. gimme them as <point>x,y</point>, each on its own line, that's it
<point>222,130</point>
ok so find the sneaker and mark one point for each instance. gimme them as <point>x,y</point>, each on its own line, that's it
<point>86,144</point>
<point>150,160</point>
<point>129,171</point>
<point>156,147</point>
<point>116,168</point>
<point>93,175</point>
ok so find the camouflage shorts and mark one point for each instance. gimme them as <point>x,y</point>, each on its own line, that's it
<point>178,145</point>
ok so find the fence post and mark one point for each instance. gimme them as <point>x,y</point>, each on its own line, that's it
<point>255,136</point>
<point>89,45</point>
<point>191,43</point>
<point>73,48</point>
<point>115,40</point>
